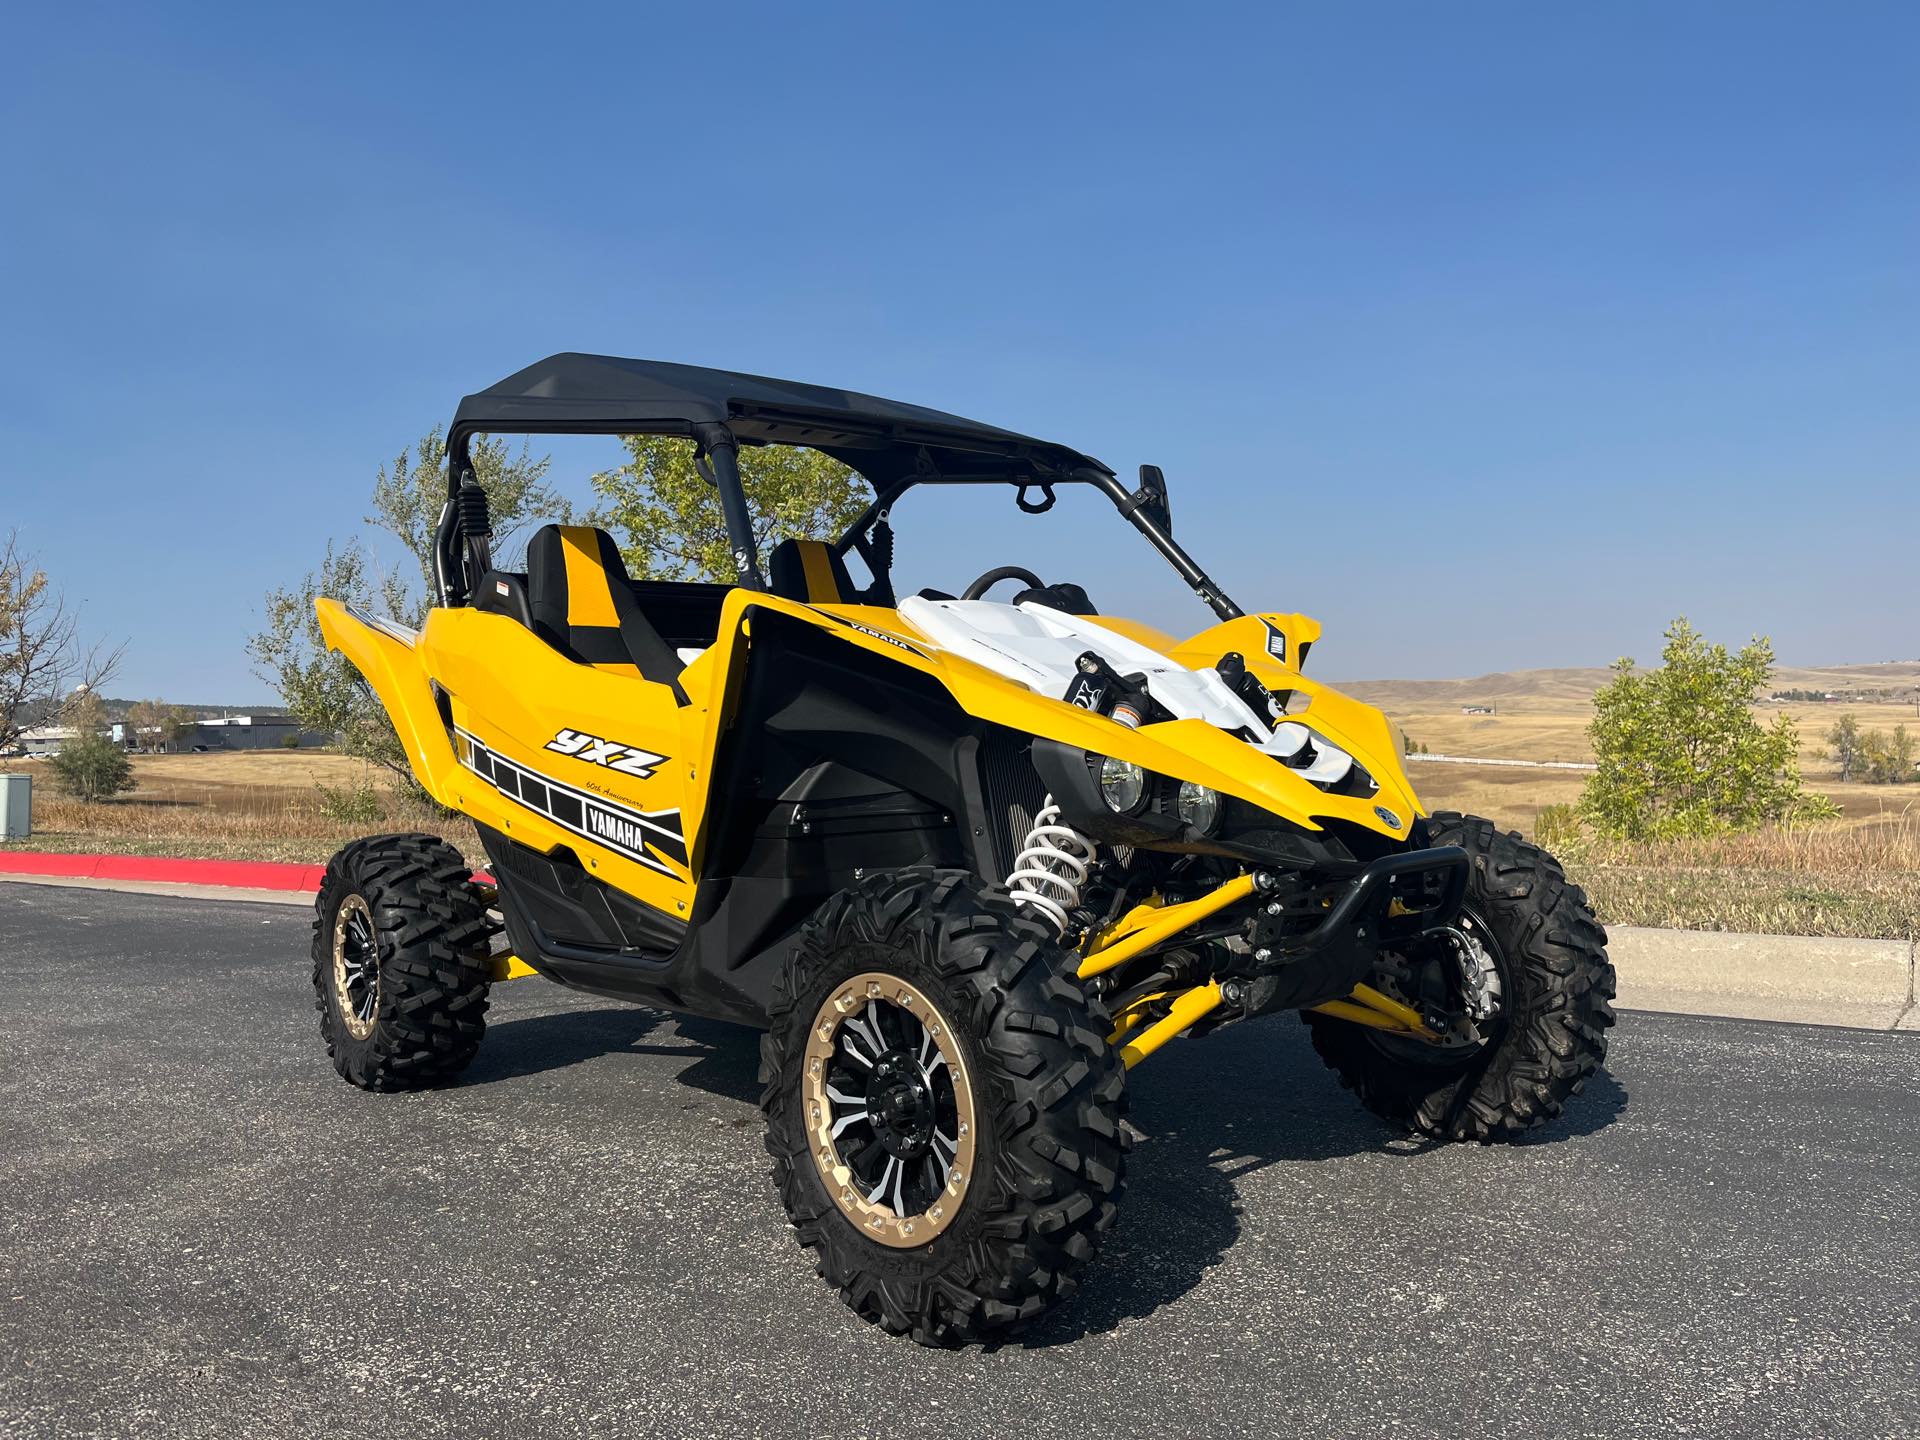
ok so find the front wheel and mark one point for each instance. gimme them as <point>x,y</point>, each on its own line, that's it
<point>400,963</point>
<point>1535,978</point>
<point>943,1109</point>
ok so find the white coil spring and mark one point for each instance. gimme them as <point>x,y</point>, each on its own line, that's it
<point>1049,871</point>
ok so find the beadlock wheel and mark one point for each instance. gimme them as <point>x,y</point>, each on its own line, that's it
<point>356,966</point>
<point>890,1109</point>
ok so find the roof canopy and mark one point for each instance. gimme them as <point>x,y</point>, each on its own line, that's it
<point>882,439</point>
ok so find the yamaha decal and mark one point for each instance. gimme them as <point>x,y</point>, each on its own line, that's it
<point>643,837</point>
<point>1276,641</point>
<point>893,640</point>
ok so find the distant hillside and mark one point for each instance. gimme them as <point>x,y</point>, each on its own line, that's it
<point>1556,689</point>
<point>117,710</point>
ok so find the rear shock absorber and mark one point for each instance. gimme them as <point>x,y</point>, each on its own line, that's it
<point>1051,868</point>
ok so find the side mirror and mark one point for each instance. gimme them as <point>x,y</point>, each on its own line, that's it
<point>1151,497</point>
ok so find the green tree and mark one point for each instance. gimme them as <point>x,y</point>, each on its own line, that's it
<point>668,521</point>
<point>1679,750</point>
<point>1887,759</point>
<point>321,689</point>
<point>153,725</point>
<point>1843,745</point>
<point>408,495</point>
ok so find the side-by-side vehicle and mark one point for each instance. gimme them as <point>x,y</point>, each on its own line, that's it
<point>968,855</point>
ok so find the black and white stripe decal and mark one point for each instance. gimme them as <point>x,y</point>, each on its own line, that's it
<point>633,833</point>
<point>1276,641</point>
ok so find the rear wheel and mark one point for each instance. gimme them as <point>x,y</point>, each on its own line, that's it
<point>1534,988</point>
<point>400,962</point>
<point>942,1108</point>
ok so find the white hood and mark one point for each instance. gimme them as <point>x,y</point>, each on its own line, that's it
<point>1035,646</point>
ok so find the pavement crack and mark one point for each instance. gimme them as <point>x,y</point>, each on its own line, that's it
<point>1913,959</point>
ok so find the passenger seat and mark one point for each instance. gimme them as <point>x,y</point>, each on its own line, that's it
<point>583,605</point>
<point>809,571</point>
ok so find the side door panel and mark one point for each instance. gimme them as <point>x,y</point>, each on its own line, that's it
<point>554,753</point>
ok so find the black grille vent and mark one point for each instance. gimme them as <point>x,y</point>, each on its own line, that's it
<point>1012,791</point>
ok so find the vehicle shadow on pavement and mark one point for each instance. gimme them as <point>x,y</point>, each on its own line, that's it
<point>1206,1115</point>
<point>1211,1113</point>
<point>726,1058</point>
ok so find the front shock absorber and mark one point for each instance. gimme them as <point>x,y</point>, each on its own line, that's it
<point>1051,868</point>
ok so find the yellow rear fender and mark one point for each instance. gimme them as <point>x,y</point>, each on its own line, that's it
<point>388,655</point>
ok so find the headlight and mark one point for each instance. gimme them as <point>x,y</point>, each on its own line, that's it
<point>1199,806</point>
<point>1123,785</point>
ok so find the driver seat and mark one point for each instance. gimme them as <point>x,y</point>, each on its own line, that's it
<point>582,604</point>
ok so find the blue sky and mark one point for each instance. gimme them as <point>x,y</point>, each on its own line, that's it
<point>1492,335</point>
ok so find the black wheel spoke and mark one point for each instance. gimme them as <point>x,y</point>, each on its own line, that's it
<point>892,1108</point>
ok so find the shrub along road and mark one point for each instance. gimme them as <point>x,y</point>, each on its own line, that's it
<point>204,1232</point>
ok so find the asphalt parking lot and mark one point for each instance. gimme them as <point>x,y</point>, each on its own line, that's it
<point>204,1232</point>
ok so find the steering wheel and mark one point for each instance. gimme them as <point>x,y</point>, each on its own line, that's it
<point>1004,572</point>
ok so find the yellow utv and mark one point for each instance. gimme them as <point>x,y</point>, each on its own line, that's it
<point>968,859</point>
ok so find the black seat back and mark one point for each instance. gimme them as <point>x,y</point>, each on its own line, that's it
<point>809,571</point>
<point>583,605</point>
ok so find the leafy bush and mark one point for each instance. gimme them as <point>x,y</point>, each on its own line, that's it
<point>1679,750</point>
<point>290,741</point>
<point>91,767</point>
<point>1558,831</point>
<point>355,804</point>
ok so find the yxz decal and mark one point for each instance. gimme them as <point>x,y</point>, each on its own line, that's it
<point>627,759</point>
<point>645,837</point>
<point>1276,641</point>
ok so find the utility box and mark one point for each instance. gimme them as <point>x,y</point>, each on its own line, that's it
<point>16,807</point>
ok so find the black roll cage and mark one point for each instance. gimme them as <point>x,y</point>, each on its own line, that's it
<point>462,538</point>
<point>1133,505</point>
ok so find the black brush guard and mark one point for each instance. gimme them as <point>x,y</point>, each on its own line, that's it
<point>1390,904</point>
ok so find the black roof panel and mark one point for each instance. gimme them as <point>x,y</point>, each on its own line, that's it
<point>881,438</point>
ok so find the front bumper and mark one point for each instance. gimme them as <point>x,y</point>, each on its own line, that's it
<point>1299,958</point>
<point>1304,934</point>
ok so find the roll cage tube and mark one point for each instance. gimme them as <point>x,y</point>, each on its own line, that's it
<point>718,460</point>
<point>716,456</point>
<point>1130,504</point>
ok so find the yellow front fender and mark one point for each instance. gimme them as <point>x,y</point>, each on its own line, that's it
<point>388,655</point>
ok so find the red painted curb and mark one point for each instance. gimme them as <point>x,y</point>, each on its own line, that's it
<point>237,874</point>
<point>244,874</point>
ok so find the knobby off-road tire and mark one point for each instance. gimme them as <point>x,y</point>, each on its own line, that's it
<point>1048,1095</point>
<point>1551,1034</point>
<point>409,1014</point>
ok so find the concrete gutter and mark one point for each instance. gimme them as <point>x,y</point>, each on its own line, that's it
<point>1864,984</point>
<point>1861,984</point>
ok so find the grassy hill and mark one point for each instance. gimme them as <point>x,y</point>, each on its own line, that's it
<point>1549,690</point>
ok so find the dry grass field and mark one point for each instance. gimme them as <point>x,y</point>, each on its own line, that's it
<point>1859,875</point>
<point>256,805</point>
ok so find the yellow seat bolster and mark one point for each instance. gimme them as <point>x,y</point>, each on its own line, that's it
<point>589,591</point>
<point>821,589</point>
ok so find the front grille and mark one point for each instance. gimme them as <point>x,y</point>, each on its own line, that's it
<point>1012,791</point>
